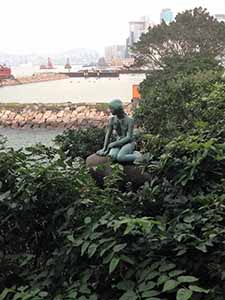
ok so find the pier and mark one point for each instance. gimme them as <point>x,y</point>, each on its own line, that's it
<point>37,77</point>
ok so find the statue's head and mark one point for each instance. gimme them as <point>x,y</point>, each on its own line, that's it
<point>116,106</point>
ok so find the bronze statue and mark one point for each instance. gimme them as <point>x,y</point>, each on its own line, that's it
<point>123,148</point>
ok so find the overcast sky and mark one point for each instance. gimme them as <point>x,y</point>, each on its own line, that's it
<point>51,26</point>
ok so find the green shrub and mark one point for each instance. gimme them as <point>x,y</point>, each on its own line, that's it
<point>175,103</point>
<point>81,142</point>
<point>65,238</point>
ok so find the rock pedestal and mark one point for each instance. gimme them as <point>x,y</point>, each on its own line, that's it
<point>100,166</point>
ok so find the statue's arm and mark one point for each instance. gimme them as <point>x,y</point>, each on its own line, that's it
<point>127,139</point>
<point>108,134</point>
<point>104,151</point>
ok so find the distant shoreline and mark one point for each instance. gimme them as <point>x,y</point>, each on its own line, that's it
<point>36,77</point>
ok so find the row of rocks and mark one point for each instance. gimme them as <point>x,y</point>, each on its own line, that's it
<point>67,116</point>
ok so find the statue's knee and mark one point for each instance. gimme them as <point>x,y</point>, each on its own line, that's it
<point>120,157</point>
<point>113,156</point>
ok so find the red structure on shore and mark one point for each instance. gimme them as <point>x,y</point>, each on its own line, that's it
<point>48,66</point>
<point>68,65</point>
<point>5,72</point>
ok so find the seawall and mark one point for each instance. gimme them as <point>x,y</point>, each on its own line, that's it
<point>36,77</point>
<point>55,115</point>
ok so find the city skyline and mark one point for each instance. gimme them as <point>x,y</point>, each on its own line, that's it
<point>48,26</point>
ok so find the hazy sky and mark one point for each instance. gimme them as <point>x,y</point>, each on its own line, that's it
<point>49,26</point>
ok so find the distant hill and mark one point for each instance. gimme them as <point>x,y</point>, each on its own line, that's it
<point>76,56</point>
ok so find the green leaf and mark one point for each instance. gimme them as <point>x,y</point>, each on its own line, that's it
<point>108,258</point>
<point>87,220</point>
<point>175,273</point>
<point>84,289</point>
<point>127,259</point>
<point>119,247</point>
<point>170,285</point>
<point>125,285</point>
<point>84,247</point>
<point>70,211</point>
<point>198,289</point>
<point>82,298</point>
<point>181,252</point>
<point>148,294</point>
<point>154,266</point>
<point>162,279</point>
<point>129,228</point>
<point>71,295</point>
<point>93,297</point>
<point>113,264</point>
<point>187,279</point>
<point>101,241</point>
<point>146,286</point>
<point>129,295</point>
<point>110,245</point>
<point>167,267</point>
<point>184,294</point>
<point>202,248</point>
<point>70,238</point>
<point>92,250</point>
<point>5,293</point>
<point>153,298</point>
<point>144,274</point>
<point>152,275</point>
<point>4,196</point>
<point>43,294</point>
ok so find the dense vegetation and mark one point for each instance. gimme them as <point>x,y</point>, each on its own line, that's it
<point>62,237</point>
<point>186,90</point>
<point>192,32</point>
<point>81,143</point>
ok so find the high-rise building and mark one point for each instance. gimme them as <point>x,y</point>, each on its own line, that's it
<point>136,28</point>
<point>115,52</point>
<point>220,17</point>
<point>166,15</point>
<point>148,22</point>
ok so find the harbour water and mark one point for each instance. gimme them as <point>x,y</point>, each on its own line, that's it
<point>75,90</point>
<point>20,138</point>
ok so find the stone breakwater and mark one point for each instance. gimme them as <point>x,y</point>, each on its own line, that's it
<point>56,116</point>
<point>37,77</point>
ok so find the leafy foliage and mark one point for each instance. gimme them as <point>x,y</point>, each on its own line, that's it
<point>62,237</point>
<point>81,142</point>
<point>192,32</point>
<point>175,104</point>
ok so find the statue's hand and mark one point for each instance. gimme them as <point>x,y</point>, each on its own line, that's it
<point>111,145</point>
<point>102,152</point>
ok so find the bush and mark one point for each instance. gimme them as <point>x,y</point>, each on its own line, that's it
<point>65,238</point>
<point>81,142</point>
<point>173,104</point>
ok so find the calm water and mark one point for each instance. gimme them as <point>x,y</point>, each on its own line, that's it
<point>74,89</point>
<point>18,138</point>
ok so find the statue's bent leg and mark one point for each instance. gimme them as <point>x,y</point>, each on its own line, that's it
<point>126,153</point>
<point>113,153</point>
